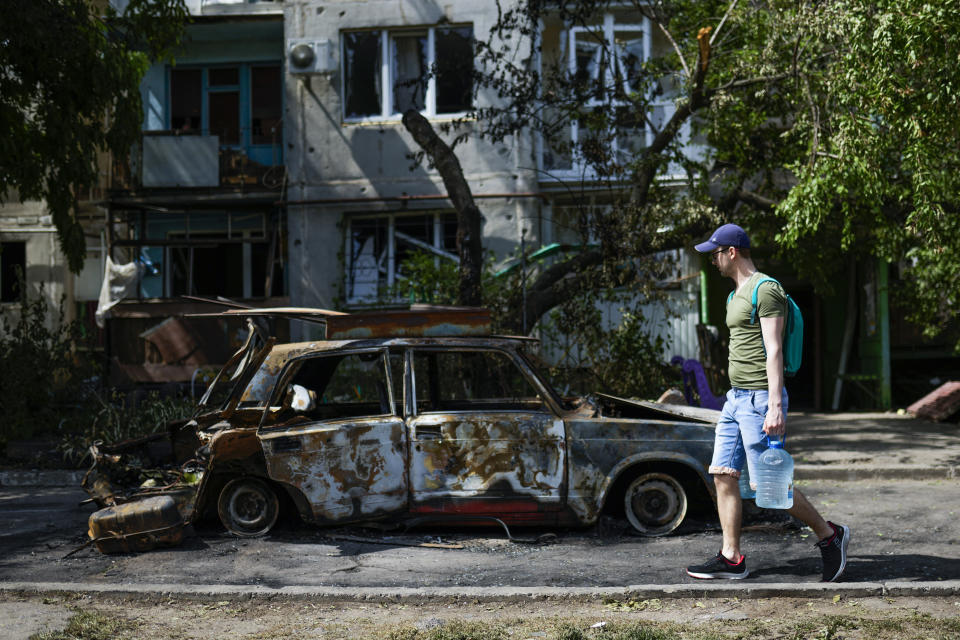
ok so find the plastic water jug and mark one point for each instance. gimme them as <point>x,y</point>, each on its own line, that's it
<point>775,478</point>
<point>746,491</point>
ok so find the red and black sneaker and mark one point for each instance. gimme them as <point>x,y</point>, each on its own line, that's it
<point>834,552</point>
<point>719,568</point>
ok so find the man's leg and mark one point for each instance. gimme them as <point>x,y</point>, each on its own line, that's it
<point>808,514</point>
<point>730,509</point>
<point>729,564</point>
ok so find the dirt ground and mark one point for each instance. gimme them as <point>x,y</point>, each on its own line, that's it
<point>832,617</point>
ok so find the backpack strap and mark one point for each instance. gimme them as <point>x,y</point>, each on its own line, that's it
<point>756,288</point>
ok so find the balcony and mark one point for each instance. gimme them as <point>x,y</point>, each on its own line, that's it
<point>164,160</point>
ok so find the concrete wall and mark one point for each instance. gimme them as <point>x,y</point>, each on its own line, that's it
<point>30,223</point>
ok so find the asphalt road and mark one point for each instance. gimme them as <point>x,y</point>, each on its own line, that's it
<point>902,530</point>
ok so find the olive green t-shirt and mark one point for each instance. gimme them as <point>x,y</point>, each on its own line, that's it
<point>747,367</point>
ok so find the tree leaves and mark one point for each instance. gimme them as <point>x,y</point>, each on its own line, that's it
<point>70,89</point>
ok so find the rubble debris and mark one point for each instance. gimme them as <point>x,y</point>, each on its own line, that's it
<point>394,542</point>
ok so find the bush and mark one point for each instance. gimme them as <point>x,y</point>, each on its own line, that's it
<point>44,386</point>
<point>48,390</point>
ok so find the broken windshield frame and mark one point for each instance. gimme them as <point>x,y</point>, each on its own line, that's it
<point>247,358</point>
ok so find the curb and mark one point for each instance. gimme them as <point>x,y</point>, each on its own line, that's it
<point>490,594</point>
<point>851,473</point>
<point>36,478</point>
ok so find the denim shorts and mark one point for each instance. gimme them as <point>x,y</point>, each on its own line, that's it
<point>739,435</point>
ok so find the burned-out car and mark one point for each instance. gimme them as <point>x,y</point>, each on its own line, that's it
<point>416,414</point>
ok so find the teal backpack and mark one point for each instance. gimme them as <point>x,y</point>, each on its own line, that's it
<point>792,334</point>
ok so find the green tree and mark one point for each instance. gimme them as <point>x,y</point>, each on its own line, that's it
<point>828,128</point>
<point>70,87</point>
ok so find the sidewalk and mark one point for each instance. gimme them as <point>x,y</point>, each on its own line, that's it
<point>826,446</point>
<point>865,446</point>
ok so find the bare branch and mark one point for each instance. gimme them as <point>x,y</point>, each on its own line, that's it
<point>746,82</point>
<point>722,20</point>
<point>676,48</point>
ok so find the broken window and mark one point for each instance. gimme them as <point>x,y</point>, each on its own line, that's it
<point>378,246</point>
<point>605,62</point>
<point>211,253</point>
<point>454,65</point>
<point>430,70</point>
<point>409,58</point>
<point>462,380</point>
<point>361,74</point>
<point>337,386</point>
<point>13,265</point>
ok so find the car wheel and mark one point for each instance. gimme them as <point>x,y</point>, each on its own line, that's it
<point>655,504</point>
<point>248,507</point>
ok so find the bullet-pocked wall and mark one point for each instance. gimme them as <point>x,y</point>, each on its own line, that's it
<point>357,201</point>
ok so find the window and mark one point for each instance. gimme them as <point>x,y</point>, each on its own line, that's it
<point>378,246</point>
<point>337,386</point>
<point>605,63</point>
<point>461,380</point>
<point>210,253</point>
<point>242,104</point>
<point>385,73</point>
<point>13,267</point>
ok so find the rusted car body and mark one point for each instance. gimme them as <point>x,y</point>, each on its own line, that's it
<point>428,424</point>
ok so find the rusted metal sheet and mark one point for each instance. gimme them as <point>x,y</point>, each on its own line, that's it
<point>414,323</point>
<point>347,469</point>
<point>137,526</point>
<point>511,461</point>
<point>601,448</point>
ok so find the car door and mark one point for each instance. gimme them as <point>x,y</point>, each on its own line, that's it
<point>482,439</point>
<point>337,436</point>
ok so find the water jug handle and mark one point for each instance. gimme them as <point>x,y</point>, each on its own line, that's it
<point>782,439</point>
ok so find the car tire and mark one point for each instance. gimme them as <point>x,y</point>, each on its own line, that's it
<point>248,507</point>
<point>655,504</point>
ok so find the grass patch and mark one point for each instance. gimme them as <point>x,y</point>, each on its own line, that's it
<point>565,631</point>
<point>92,625</point>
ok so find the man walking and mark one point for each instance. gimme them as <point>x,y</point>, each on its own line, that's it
<point>755,407</point>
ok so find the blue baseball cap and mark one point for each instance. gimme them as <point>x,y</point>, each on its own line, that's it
<point>729,235</point>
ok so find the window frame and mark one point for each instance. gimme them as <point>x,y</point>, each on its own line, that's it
<point>388,68</point>
<point>391,257</point>
<point>547,397</point>
<point>244,90</point>
<point>274,401</point>
<point>579,167</point>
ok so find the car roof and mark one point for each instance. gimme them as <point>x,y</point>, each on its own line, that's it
<point>289,350</point>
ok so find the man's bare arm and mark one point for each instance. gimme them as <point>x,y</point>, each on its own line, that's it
<point>775,423</point>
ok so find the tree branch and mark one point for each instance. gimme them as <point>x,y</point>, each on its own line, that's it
<point>760,202</point>
<point>723,20</point>
<point>676,48</point>
<point>469,247</point>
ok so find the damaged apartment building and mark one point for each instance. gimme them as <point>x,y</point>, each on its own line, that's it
<point>274,170</point>
<point>357,205</point>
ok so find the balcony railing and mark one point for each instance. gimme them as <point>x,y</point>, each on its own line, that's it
<point>168,160</point>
